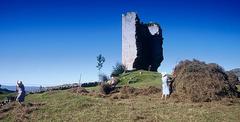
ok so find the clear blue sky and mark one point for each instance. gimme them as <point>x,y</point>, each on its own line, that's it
<point>50,42</point>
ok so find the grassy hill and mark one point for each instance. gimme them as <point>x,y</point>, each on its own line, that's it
<point>68,106</point>
<point>4,95</point>
<point>141,79</point>
<point>5,92</point>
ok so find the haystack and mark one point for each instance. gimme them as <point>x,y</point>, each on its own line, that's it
<point>200,82</point>
<point>232,78</point>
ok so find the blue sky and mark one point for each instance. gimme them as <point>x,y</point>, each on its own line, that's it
<point>51,42</point>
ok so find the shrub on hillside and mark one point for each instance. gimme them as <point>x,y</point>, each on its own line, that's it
<point>118,69</point>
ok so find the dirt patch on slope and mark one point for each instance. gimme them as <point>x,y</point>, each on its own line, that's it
<point>79,90</point>
<point>137,91</point>
<point>127,92</point>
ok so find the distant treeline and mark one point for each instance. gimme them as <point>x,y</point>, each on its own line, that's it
<point>90,84</point>
<point>4,90</point>
<point>64,87</point>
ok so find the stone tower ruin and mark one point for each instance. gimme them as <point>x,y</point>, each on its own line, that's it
<point>141,43</point>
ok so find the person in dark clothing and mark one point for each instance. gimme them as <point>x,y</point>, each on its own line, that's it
<point>21,92</point>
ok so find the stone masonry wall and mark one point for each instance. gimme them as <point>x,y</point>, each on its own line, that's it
<point>141,43</point>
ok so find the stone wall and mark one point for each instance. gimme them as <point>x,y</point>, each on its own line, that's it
<point>141,43</point>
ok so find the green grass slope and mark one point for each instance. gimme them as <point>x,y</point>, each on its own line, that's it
<point>238,86</point>
<point>67,106</point>
<point>141,79</point>
<point>4,95</point>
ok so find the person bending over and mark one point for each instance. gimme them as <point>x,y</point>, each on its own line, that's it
<point>21,92</point>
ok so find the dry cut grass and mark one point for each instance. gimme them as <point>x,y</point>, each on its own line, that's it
<point>68,106</point>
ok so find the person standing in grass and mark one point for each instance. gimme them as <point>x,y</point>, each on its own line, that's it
<point>113,81</point>
<point>165,86</point>
<point>21,92</point>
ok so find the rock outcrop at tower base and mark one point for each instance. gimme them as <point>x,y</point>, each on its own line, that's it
<point>141,43</point>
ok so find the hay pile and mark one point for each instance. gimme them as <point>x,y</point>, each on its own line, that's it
<point>232,78</point>
<point>200,82</point>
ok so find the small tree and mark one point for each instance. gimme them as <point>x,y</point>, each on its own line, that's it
<point>100,61</point>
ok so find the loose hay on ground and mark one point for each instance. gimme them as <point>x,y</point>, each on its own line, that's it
<point>124,92</point>
<point>21,113</point>
<point>80,90</point>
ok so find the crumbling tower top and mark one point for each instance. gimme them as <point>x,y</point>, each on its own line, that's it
<point>141,43</point>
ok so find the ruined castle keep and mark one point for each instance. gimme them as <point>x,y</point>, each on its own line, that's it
<point>141,43</point>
